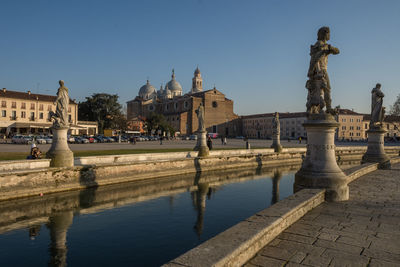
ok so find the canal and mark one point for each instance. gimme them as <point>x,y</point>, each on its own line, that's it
<point>146,223</point>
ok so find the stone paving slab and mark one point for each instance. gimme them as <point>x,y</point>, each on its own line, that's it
<point>363,231</point>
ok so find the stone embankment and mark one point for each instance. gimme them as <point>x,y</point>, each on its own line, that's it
<point>298,231</point>
<point>29,178</point>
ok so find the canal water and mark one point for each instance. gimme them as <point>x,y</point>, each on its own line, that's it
<point>144,223</point>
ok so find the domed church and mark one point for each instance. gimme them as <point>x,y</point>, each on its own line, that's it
<point>179,109</point>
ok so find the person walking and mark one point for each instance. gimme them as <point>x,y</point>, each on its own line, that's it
<point>300,140</point>
<point>209,143</point>
<point>224,141</point>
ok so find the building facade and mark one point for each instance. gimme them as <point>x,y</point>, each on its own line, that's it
<point>179,109</point>
<point>29,113</point>
<point>351,125</point>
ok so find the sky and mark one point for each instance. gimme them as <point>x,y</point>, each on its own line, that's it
<point>254,51</point>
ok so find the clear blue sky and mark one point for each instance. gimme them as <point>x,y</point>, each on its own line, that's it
<point>256,52</point>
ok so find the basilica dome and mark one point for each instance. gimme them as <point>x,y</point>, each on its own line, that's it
<point>147,91</point>
<point>174,86</point>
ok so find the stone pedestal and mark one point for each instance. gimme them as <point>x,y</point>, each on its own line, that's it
<point>276,143</point>
<point>319,168</point>
<point>201,145</point>
<point>376,149</point>
<point>59,152</point>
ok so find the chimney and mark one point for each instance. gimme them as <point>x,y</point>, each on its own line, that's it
<point>4,90</point>
<point>29,92</point>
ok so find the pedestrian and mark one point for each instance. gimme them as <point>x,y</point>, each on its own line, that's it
<point>300,140</point>
<point>209,143</point>
<point>222,140</point>
<point>225,141</point>
<point>35,152</point>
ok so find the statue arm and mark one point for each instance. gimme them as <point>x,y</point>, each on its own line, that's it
<point>333,50</point>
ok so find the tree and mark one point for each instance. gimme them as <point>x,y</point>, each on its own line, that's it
<point>395,108</point>
<point>103,108</point>
<point>156,121</point>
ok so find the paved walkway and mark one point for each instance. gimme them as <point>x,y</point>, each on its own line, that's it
<point>364,231</point>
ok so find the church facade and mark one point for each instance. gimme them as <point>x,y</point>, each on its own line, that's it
<point>179,108</point>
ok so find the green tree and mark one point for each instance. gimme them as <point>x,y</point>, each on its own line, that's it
<point>103,108</point>
<point>156,121</point>
<point>395,108</point>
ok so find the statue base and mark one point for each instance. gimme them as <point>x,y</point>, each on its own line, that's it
<point>59,152</point>
<point>376,149</point>
<point>319,168</point>
<point>201,145</point>
<point>276,143</point>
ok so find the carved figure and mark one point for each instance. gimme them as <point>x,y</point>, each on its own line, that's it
<point>60,117</point>
<point>200,117</point>
<point>377,109</point>
<point>276,125</point>
<point>318,85</point>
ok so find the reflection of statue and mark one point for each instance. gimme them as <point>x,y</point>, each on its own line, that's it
<point>275,186</point>
<point>319,88</point>
<point>61,115</point>
<point>200,116</point>
<point>276,128</point>
<point>200,205</point>
<point>377,109</point>
<point>58,225</point>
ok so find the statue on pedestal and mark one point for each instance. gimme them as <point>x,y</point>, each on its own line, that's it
<point>377,109</point>
<point>318,85</point>
<point>60,117</point>
<point>276,125</point>
<point>200,117</point>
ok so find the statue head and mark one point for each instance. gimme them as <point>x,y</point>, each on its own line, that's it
<point>378,85</point>
<point>276,115</point>
<point>61,82</point>
<point>324,34</point>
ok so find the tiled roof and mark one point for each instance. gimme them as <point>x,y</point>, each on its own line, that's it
<point>343,111</point>
<point>284,115</point>
<point>29,96</point>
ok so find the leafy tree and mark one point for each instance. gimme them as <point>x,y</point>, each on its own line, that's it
<point>156,121</point>
<point>395,108</point>
<point>103,108</point>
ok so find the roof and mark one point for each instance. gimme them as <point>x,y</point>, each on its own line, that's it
<point>29,96</point>
<point>343,111</point>
<point>285,115</point>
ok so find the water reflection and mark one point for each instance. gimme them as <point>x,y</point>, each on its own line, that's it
<point>56,211</point>
<point>275,186</point>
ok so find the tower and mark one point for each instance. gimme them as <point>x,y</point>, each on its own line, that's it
<point>197,82</point>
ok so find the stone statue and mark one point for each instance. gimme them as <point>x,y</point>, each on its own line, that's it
<point>61,115</point>
<point>276,125</point>
<point>200,117</point>
<point>377,109</point>
<point>318,85</point>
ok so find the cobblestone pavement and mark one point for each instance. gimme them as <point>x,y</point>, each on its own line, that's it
<point>364,231</point>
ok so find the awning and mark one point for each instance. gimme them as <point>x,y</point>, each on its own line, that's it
<point>30,125</point>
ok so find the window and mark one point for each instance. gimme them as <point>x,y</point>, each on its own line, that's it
<point>358,128</point>
<point>175,106</point>
<point>3,104</point>
<point>351,120</point>
<point>13,115</point>
<point>358,134</point>
<point>69,118</point>
<point>351,127</point>
<point>358,120</point>
<point>32,117</point>
<point>32,105</point>
<point>151,108</point>
<point>69,109</point>
<point>366,126</point>
<point>41,115</point>
<point>13,104</point>
<point>41,107</point>
<point>214,104</point>
<point>4,113</point>
<point>23,105</point>
<point>166,107</point>
<point>185,104</point>
<point>23,114</point>
<point>49,116</point>
<point>343,120</point>
<point>343,127</point>
<point>49,108</point>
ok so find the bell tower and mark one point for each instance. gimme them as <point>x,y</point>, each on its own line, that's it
<point>197,82</point>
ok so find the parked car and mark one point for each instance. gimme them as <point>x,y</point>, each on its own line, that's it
<point>71,139</point>
<point>49,140</point>
<point>17,139</point>
<point>193,137</point>
<point>213,135</point>
<point>41,139</point>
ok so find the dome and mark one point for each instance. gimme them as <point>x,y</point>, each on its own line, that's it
<point>174,86</point>
<point>147,91</point>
